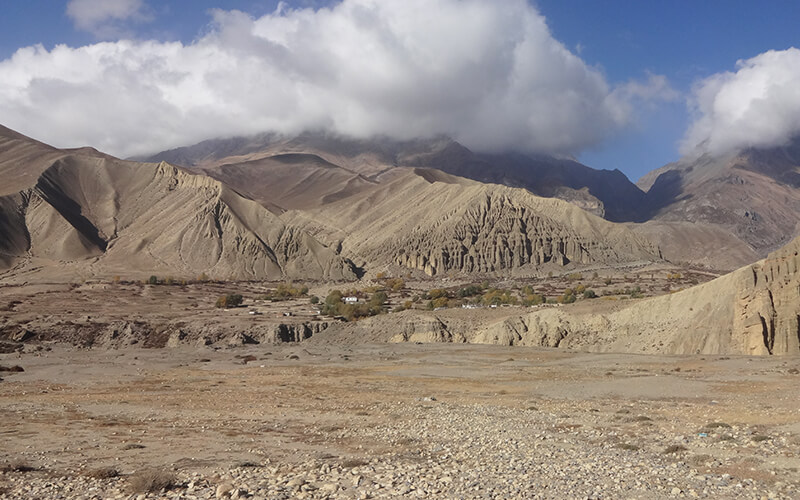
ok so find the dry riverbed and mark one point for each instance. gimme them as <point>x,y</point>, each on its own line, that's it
<point>396,421</point>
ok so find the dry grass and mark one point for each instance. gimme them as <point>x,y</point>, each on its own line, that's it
<point>152,481</point>
<point>17,466</point>
<point>627,446</point>
<point>102,473</point>
<point>133,446</point>
<point>675,448</point>
<point>353,462</point>
<point>698,460</point>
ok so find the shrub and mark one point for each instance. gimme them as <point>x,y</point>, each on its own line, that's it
<point>285,291</point>
<point>314,299</point>
<point>437,293</point>
<point>589,294</point>
<point>395,284</point>
<point>153,280</point>
<point>103,473</point>
<point>469,291</point>
<point>152,481</point>
<point>533,299</point>
<point>498,296</point>
<point>230,300</point>
<point>438,302</point>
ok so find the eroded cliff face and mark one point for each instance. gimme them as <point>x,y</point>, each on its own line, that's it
<point>498,232</point>
<point>767,311</point>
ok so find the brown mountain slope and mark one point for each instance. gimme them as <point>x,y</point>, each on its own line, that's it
<point>290,181</point>
<point>753,195</point>
<point>85,216</point>
<point>435,222</point>
<point>608,194</point>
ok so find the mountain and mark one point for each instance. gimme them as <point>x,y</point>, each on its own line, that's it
<point>608,194</point>
<point>438,223</point>
<point>80,213</point>
<point>753,196</point>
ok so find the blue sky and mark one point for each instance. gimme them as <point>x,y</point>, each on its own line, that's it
<point>685,43</point>
<point>685,40</point>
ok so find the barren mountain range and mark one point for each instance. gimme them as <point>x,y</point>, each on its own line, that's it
<point>78,214</point>
<point>720,213</point>
<point>326,206</point>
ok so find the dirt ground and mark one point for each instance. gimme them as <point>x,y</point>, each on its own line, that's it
<point>207,409</point>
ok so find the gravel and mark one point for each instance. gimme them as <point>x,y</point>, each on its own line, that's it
<point>438,449</point>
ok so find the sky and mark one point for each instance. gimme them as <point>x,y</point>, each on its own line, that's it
<point>616,84</point>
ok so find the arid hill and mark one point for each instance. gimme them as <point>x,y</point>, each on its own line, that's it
<point>79,213</point>
<point>435,222</point>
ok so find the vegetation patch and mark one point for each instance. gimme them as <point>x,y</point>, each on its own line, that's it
<point>152,481</point>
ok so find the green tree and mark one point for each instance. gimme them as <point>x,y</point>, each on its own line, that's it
<point>230,300</point>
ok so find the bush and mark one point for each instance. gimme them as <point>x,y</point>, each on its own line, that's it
<point>152,481</point>
<point>567,299</point>
<point>153,280</point>
<point>437,293</point>
<point>285,291</point>
<point>438,302</point>
<point>395,284</point>
<point>469,291</point>
<point>533,299</point>
<point>230,300</point>
<point>589,294</point>
<point>314,299</point>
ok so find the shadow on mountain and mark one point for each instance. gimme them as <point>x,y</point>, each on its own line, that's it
<point>667,189</point>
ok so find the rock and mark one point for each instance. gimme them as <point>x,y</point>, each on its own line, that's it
<point>224,489</point>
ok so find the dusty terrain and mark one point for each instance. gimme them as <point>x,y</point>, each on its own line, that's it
<point>392,421</point>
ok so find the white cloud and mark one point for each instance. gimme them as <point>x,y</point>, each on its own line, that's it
<point>487,73</point>
<point>104,18</point>
<point>757,106</point>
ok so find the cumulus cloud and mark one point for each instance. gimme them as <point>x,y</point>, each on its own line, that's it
<point>104,18</point>
<point>756,106</point>
<point>486,73</point>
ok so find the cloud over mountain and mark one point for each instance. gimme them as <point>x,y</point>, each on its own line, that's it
<point>489,74</point>
<point>756,106</point>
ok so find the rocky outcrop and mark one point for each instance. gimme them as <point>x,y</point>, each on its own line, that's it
<point>426,329</point>
<point>500,232</point>
<point>117,334</point>
<point>767,310</point>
